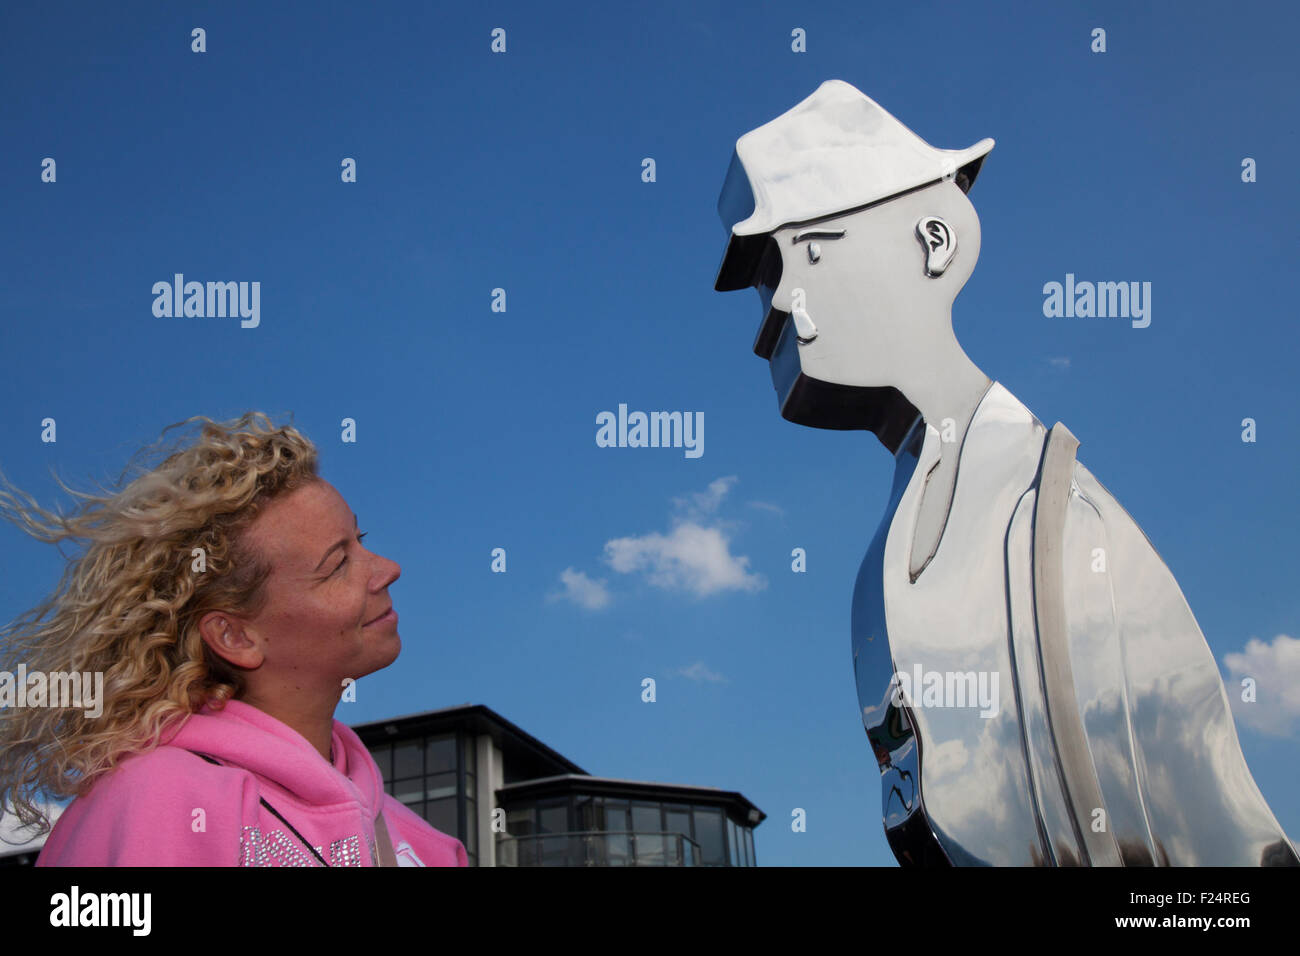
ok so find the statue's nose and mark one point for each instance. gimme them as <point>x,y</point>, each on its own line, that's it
<point>803,326</point>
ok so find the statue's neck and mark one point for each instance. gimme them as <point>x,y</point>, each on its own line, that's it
<point>940,383</point>
<point>947,398</point>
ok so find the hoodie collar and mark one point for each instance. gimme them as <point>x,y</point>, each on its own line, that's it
<point>242,735</point>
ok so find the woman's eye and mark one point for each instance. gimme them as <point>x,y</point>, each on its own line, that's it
<point>345,560</point>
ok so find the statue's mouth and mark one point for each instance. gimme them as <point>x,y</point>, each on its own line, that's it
<point>805,400</point>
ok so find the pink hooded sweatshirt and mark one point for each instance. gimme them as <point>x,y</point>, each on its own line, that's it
<point>170,807</point>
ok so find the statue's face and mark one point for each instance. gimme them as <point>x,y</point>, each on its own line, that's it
<point>857,301</point>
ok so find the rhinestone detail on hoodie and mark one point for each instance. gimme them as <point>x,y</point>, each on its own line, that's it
<point>277,848</point>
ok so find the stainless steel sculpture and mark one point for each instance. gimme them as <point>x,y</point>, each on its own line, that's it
<point>1003,575</point>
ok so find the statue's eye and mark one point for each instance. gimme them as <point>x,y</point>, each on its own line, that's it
<point>814,251</point>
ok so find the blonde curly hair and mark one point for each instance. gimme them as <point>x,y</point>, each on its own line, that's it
<point>130,604</point>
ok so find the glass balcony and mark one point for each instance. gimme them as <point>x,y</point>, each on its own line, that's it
<point>598,848</point>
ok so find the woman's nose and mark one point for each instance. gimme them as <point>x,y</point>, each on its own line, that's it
<point>388,570</point>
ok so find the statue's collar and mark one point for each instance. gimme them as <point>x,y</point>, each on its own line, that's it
<point>940,476</point>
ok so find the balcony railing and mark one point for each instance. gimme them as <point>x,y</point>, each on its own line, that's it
<point>598,848</point>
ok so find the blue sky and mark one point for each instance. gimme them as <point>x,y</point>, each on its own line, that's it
<point>476,429</point>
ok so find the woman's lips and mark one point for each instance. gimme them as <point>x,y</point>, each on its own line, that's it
<point>386,617</point>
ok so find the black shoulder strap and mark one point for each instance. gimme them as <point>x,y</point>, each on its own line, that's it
<point>274,811</point>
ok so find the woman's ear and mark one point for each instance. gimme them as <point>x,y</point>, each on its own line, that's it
<point>227,637</point>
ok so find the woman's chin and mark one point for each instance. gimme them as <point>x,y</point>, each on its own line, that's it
<point>395,641</point>
<point>382,654</point>
<point>397,647</point>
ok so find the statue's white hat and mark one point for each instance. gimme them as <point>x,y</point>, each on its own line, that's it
<point>837,150</point>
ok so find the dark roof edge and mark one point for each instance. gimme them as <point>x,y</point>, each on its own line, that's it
<point>472,712</point>
<point>561,781</point>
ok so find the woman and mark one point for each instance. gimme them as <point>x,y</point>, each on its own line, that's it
<point>227,600</point>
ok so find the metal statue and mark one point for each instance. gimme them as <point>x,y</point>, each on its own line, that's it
<point>1032,682</point>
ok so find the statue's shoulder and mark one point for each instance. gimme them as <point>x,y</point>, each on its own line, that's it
<point>1002,406</point>
<point>1003,445</point>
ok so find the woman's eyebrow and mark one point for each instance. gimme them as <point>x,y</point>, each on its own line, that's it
<point>342,543</point>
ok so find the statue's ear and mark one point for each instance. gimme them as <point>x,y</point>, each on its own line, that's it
<point>939,240</point>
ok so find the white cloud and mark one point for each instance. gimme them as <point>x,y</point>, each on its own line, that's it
<point>698,672</point>
<point>1275,669</point>
<point>582,590</point>
<point>1062,361</point>
<point>767,506</point>
<point>700,504</point>
<point>694,556</point>
<point>691,558</point>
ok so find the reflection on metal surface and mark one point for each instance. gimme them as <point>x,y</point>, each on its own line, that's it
<point>1000,563</point>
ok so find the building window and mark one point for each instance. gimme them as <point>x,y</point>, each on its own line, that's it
<point>519,822</point>
<point>471,755</point>
<point>553,817</point>
<point>408,759</point>
<point>584,813</point>
<point>468,752</point>
<point>552,820</point>
<point>709,835</point>
<point>440,785</point>
<point>440,753</point>
<point>645,818</point>
<point>647,826</point>
<point>425,774</point>
<point>384,760</point>
<point>441,814</point>
<point>615,816</point>
<point>618,844</point>
<point>677,819</point>
<point>733,844</point>
<point>749,846</point>
<point>410,792</point>
<point>471,845</point>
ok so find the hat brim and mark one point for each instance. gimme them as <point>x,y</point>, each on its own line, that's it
<point>747,238</point>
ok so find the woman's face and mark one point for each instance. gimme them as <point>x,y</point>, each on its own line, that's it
<point>324,594</point>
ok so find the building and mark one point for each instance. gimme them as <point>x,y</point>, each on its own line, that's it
<point>513,801</point>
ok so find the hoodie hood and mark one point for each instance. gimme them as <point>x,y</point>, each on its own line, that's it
<point>241,735</point>
<point>268,798</point>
